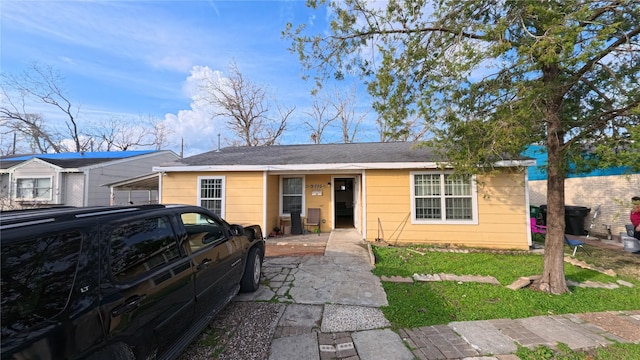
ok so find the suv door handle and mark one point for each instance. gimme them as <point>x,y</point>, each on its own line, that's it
<point>131,304</point>
<point>204,264</point>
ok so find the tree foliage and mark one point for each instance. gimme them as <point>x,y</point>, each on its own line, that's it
<point>491,77</point>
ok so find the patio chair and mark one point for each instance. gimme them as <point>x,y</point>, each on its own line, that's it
<point>535,228</point>
<point>313,218</point>
<point>575,244</point>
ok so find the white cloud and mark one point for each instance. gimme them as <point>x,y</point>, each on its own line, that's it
<point>195,125</point>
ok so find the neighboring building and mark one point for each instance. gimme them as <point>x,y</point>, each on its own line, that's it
<point>76,179</point>
<point>388,191</point>
<point>610,188</point>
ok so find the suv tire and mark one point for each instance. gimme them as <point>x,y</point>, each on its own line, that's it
<point>252,272</point>
<point>118,351</point>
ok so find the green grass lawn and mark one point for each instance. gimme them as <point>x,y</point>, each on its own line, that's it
<point>615,351</point>
<point>431,303</point>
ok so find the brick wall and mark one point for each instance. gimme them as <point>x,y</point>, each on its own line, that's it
<point>612,193</point>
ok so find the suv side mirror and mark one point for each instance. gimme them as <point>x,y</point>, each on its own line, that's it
<point>237,230</point>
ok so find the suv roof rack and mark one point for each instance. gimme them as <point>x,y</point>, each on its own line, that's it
<point>25,217</point>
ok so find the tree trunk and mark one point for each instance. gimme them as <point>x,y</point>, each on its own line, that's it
<point>553,280</point>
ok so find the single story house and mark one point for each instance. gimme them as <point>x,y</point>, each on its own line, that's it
<point>611,189</point>
<point>393,191</point>
<point>77,178</point>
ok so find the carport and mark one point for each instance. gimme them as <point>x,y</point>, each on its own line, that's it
<point>148,182</point>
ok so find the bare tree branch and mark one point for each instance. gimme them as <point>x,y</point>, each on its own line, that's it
<point>344,106</point>
<point>320,118</point>
<point>42,84</point>
<point>246,109</point>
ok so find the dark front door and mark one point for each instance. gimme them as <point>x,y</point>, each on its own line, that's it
<point>343,202</point>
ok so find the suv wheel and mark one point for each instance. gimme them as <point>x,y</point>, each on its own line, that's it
<point>251,278</point>
<point>118,351</point>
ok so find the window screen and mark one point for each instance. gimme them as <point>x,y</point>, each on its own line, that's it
<point>443,197</point>
<point>37,188</point>
<point>211,194</point>
<point>292,193</point>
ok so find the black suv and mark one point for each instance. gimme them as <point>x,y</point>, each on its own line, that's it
<point>118,282</point>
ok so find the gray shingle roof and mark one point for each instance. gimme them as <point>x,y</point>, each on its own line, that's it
<point>74,160</point>
<point>389,152</point>
<point>63,163</point>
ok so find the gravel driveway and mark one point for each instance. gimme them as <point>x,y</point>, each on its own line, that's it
<point>242,331</point>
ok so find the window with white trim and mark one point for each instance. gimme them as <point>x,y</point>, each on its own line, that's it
<point>443,198</point>
<point>211,193</point>
<point>292,198</point>
<point>34,188</point>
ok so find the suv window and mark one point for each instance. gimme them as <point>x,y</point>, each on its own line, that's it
<point>203,230</point>
<point>37,278</point>
<point>140,246</point>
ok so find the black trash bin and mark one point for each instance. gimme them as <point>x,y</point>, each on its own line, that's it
<point>543,212</point>
<point>296,223</point>
<point>574,219</point>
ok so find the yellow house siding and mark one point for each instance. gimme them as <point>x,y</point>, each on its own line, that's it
<point>273,203</point>
<point>243,193</point>
<point>501,201</point>
<point>180,188</point>
<point>319,182</point>
<point>244,200</point>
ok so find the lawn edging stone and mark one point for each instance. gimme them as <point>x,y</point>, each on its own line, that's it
<point>584,265</point>
<point>442,277</point>
<point>520,283</point>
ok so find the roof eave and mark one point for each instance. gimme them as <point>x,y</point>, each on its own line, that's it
<point>327,167</point>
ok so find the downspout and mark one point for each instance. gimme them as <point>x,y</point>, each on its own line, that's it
<point>363,193</point>
<point>527,208</point>
<point>58,198</point>
<point>10,189</point>
<point>160,176</point>
<point>264,202</point>
<point>85,191</point>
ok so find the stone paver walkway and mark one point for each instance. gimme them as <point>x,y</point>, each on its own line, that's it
<point>437,342</point>
<point>498,338</point>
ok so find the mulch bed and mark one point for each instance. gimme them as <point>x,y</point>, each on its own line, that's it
<point>293,250</point>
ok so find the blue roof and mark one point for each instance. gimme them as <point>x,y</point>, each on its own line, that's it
<point>81,155</point>
<point>539,171</point>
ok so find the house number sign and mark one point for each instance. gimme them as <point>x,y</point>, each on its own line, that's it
<point>316,186</point>
<point>316,189</point>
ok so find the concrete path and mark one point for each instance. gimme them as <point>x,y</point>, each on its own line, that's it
<point>332,312</point>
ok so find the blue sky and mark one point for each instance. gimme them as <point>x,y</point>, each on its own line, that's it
<point>138,58</point>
